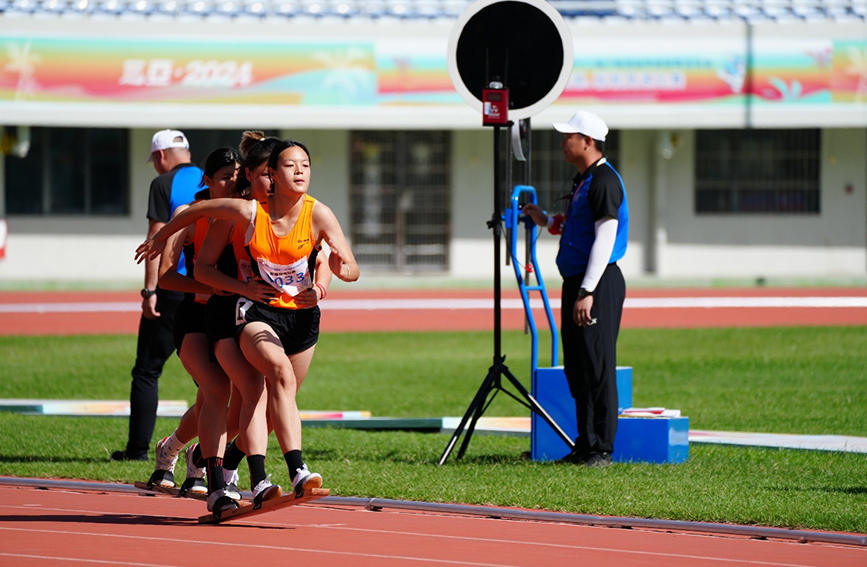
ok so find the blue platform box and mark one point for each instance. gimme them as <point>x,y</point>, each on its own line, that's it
<point>651,440</point>
<point>654,440</point>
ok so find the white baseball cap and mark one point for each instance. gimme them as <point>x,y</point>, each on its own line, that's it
<point>165,139</point>
<point>586,123</point>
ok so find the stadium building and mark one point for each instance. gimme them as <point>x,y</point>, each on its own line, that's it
<point>737,125</point>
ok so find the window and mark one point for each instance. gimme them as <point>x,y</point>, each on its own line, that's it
<point>203,142</point>
<point>399,199</point>
<point>757,171</point>
<point>551,176</point>
<point>70,171</point>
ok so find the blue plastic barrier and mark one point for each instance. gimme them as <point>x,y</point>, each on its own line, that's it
<point>652,440</point>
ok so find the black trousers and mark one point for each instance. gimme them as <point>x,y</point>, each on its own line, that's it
<point>590,359</point>
<point>155,346</point>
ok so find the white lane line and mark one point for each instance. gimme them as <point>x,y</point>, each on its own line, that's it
<point>585,548</point>
<point>73,559</point>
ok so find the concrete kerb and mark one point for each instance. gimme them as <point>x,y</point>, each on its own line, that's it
<point>376,504</point>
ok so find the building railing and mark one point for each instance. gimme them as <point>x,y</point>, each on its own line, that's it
<point>398,10</point>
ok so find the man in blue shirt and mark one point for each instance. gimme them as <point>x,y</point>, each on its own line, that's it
<point>594,232</point>
<point>176,184</point>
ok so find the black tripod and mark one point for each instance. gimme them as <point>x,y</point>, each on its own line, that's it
<point>493,381</point>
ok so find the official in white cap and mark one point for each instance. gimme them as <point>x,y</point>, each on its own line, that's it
<point>176,184</point>
<point>593,231</point>
<point>586,123</point>
<point>165,140</point>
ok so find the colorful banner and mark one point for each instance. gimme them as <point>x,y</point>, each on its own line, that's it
<point>673,71</point>
<point>195,72</point>
<point>848,62</point>
<point>405,71</point>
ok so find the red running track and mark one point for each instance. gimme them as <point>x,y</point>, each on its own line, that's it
<point>57,527</point>
<point>83,527</point>
<point>347,310</point>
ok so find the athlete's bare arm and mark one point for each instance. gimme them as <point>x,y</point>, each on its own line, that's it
<point>326,227</point>
<point>229,209</point>
<point>218,237</point>
<point>152,268</point>
<point>169,276</point>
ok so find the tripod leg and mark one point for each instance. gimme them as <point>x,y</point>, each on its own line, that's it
<point>536,407</point>
<point>476,415</point>
<point>475,408</point>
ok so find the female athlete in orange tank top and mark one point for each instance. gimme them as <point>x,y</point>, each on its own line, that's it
<point>279,341</point>
<point>252,440</point>
<point>210,421</point>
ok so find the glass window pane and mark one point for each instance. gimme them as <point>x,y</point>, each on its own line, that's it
<point>109,178</point>
<point>757,171</point>
<point>203,142</point>
<point>23,176</point>
<point>67,151</point>
<point>400,199</point>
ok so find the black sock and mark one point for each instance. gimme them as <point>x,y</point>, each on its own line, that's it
<point>294,461</point>
<point>233,457</point>
<point>216,481</point>
<point>257,469</point>
<point>197,457</point>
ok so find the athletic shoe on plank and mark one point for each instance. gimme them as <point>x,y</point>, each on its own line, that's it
<point>222,500</point>
<point>305,479</point>
<point>163,479</point>
<point>195,481</point>
<point>265,491</point>
<point>231,477</point>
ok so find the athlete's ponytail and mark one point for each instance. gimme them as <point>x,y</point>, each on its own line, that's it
<point>257,151</point>
<point>249,139</point>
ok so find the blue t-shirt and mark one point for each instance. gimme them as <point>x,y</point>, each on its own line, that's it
<point>597,193</point>
<point>171,190</point>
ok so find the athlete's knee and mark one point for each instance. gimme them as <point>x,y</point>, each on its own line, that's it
<point>283,381</point>
<point>251,392</point>
<point>216,391</point>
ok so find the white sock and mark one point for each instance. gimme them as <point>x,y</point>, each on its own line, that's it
<point>173,445</point>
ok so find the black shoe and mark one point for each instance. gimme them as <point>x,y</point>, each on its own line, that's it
<point>124,456</point>
<point>161,478</point>
<point>576,457</point>
<point>194,485</point>
<point>599,460</point>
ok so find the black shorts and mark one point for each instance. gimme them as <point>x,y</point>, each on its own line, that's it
<point>297,329</point>
<point>189,318</point>
<point>224,318</point>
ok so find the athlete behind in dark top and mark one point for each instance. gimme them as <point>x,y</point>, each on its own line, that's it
<point>176,184</point>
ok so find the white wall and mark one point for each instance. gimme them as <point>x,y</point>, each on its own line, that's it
<point>832,243</point>
<point>329,152</point>
<point>471,252</point>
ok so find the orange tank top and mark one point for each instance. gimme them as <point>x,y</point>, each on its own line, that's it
<point>284,261</point>
<point>191,252</point>
<point>239,248</point>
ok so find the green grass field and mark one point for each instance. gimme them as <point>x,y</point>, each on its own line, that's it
<point>780,380</point>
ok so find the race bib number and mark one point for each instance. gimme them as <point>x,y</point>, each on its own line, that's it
<point>241,307</point>
<point>291,279</point>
